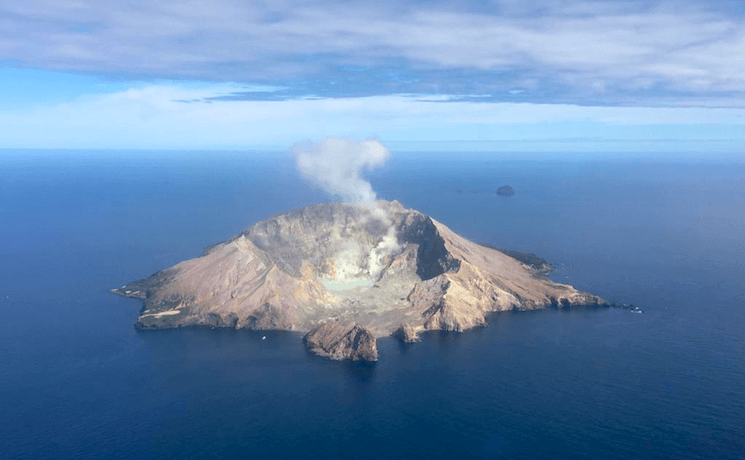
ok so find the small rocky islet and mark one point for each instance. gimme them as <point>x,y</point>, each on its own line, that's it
<point>346,274</point>
<point>505,190</point>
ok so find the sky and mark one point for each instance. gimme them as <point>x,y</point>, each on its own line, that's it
<point>574,75</point>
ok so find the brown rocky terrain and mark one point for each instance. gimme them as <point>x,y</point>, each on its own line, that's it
<point>406,333</point>
<point>376,269</point>
<point>337,341</point>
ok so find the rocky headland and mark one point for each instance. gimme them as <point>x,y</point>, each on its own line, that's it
<point>346,274</point>
<point>337,341</point>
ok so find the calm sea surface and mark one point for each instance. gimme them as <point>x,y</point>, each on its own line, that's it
<point>78,382</point>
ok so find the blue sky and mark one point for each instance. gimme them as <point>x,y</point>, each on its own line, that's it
<point>610,76</point>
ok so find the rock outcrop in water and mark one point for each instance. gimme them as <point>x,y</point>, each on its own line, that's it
<point>406,333</point>
<point>377,266</point>
<point>336,341</point>
<point>505,190</point>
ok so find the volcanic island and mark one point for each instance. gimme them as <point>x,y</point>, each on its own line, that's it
<point>345,275</point>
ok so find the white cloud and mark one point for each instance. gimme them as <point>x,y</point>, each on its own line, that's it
<point>683,46</point>
<point>337,165</point>
<point>151,117</point>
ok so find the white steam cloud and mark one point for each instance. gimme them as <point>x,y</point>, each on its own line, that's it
<point>337,165</point>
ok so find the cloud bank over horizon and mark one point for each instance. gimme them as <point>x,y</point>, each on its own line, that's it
<point>151,118</point>
<point>608,53</point>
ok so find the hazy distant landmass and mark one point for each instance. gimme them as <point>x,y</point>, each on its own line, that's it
<point>347,274</point>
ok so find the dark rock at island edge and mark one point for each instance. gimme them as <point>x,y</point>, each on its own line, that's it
<point>336,341</point>
<point>406,333</point>
<point>505,190</point>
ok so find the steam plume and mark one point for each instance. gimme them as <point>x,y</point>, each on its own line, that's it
<point>337,164</point>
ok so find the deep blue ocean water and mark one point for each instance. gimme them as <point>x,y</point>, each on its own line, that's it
<point>666,233</point>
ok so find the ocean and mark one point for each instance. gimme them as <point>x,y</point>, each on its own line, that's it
<point>664,232</point>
